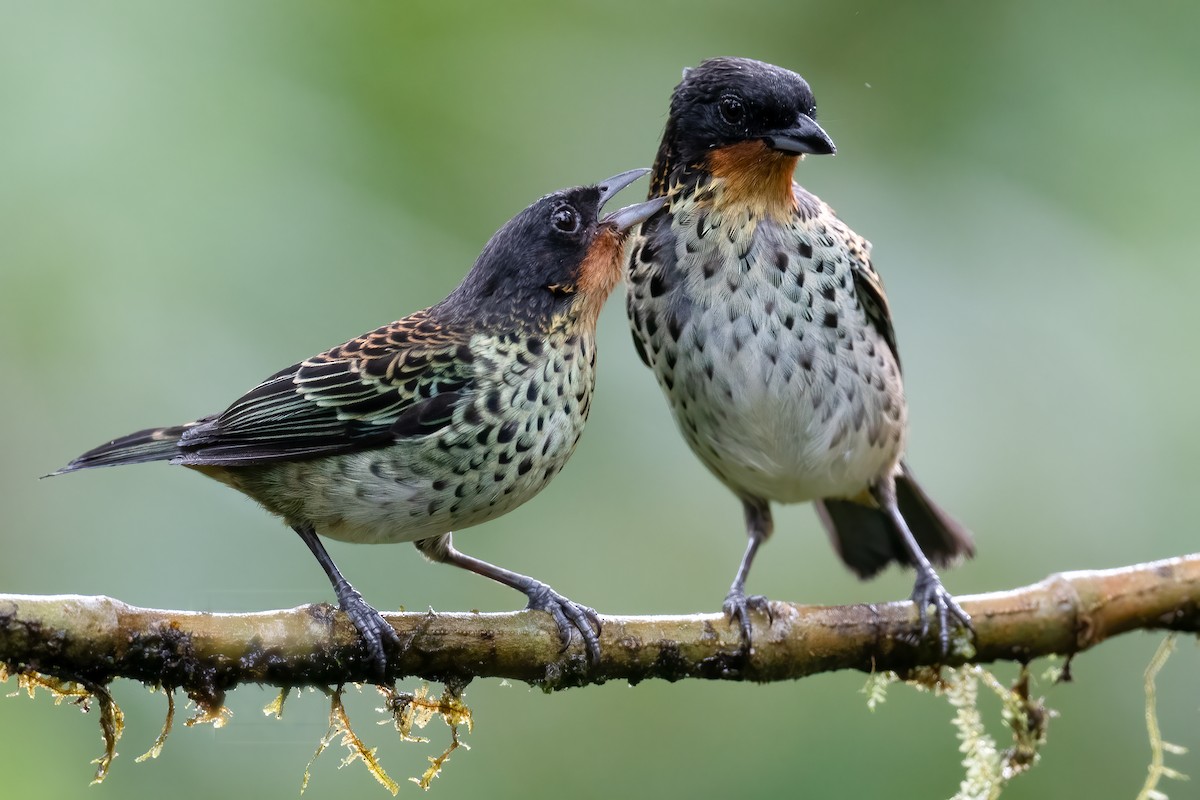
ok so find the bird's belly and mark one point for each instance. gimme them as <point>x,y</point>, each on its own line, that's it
<point>779,378</point>
<point>787,414</point>
<point>388,498</point>
<point>427,486</point>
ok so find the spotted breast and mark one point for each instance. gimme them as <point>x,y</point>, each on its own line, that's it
<point>757,333</point>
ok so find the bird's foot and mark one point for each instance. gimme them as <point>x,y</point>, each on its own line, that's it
<point>738,606</point>
<point>928,591</point>
<point>569,616</point>
<point>378,636</point>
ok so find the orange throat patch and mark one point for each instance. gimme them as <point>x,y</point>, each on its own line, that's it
<point>755,175</point>
<point>599,273</point>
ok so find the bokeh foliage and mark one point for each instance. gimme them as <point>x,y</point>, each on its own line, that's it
<point>192,196</point>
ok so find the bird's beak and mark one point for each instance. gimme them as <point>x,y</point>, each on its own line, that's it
<point>625,218</point>
<point>618,182</point>
<point>805,136</point>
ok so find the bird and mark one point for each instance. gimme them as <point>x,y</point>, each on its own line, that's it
<point>447,418</point>
<point>770,334</point>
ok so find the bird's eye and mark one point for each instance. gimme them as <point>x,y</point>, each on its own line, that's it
<point>565,219</point>
<point>732,110</point>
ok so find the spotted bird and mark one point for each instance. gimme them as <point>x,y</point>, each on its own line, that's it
<point>769,332</point>
<point>442,420</point>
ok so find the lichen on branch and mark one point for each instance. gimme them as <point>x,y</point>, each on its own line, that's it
<point>96,639</point>
<point>74,646</point>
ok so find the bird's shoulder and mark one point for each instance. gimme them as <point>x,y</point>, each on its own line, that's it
<point>829,232</point>
<point>411,358</point>
<point>399,380</point>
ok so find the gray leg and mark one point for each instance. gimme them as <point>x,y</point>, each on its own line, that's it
<point>928,589</point>
<point>376,633</point>
<point>737,605</point>
<point>568,615</point>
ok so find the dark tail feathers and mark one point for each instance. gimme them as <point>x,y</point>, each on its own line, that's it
<point>152,444</point>
<point>867,542</point>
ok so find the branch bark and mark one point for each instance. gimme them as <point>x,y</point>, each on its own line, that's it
<point>96,639</point>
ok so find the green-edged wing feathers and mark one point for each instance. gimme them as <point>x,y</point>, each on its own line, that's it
<point>403,379</point>
<point>400,380</point>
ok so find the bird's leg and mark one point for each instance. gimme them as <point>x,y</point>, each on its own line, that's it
<point>928,589</point>
<point>568,615</point>
<point>376,633</point>
<point>737,605</point>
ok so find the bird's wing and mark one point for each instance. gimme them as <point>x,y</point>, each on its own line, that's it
<point>867,283</point>
<point>871,294</point>
<point>652,255</point>
<point>401,380</point>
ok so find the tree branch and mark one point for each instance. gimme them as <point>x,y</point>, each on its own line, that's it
<point>96,639</point>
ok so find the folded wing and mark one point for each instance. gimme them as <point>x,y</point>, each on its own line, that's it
<point>401,380</point>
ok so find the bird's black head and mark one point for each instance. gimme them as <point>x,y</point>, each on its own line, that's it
<point>725,102</point>
<point>556,257</point>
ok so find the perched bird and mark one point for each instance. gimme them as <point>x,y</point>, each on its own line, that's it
<point>769,332</point>
<point>445,419</point>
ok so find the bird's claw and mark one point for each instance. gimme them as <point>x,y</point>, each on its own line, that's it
<point>929,591</point>
<point>570,617</point>
<point>378,636</point>
<point>737,608</point>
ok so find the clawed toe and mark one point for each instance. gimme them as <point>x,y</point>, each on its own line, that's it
<point>378,636</point>
<point>929,591</point>
<point>737,608</point>
<point>570,617</point>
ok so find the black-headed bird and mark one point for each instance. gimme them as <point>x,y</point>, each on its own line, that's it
<point>442,420</point>
<point>769,332</point>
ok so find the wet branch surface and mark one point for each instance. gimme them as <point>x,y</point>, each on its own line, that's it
<point>93,640</point>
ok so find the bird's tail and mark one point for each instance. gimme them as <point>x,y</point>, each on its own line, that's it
<point>152,444</point>
<point>866,540</point>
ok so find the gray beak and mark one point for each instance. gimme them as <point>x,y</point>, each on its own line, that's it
<point>618,182</point>
<point>627,217</point>
<point>806,136</point>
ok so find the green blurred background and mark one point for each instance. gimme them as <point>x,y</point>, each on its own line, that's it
<point>194,196</point>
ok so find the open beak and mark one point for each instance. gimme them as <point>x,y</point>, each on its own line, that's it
<point>806,136</point>
<point>625,218</point>
<point>618,182</point>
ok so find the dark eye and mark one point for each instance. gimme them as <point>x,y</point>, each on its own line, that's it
<point>732,110</point>
<point>565,218</point>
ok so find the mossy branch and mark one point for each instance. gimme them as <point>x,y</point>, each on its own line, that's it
<point>95,639</point>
